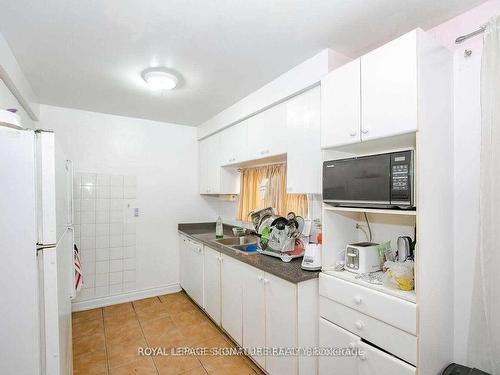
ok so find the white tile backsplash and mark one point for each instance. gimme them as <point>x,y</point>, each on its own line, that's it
<point>117,180</point>
<point>103,180</point>
<point>115,277</point>
<point>116,253</point>
<point>102,217</point>
<point>87,217</point>
<point>103,192</point>
<point>102,279</point>
<point>102,267</point>
<point>116,217</point>
<point>129,192</point>
<point>102,229</point>
<point>88,205</point>
<point>105,233</point>
<point>102,242</point>
<point>102,205</point>
<point>102,254</point>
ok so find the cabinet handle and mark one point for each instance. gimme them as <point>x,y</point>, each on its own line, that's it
<point>289,188</point>
<point>359,325</point>
<point>259,277</point>
<point>364,131</point>
<point>233,159</point>
<point>263,152</point>
<point>362,356</point>
<point>358,300</point>
<point>353,133</point>
<point>266,281</point>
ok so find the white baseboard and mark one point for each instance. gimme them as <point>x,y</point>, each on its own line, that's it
<point>125,297</point>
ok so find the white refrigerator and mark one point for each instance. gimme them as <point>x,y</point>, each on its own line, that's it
<point>36,245</point>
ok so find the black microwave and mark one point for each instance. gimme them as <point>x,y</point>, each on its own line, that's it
<point>379,181</point>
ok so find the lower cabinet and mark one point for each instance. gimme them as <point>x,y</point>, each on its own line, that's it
<point>211,284</point>
<point>232,298</point>
<point>257,309</point>
<point>191,269</point>
<point>254,311</point>
<point>369,361</point>
<point>281,323</point>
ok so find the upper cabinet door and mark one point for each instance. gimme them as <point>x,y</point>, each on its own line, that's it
<point>234,144</point>
<point>267,133</point>
<point>304,157</point>
<point>389,89</point>
<point>341,106</point>
<point>209,172</point>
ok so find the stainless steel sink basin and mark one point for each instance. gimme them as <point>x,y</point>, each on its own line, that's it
<point>232,241</point>
<point>245,248</point>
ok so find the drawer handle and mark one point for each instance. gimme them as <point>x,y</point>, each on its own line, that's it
<point>353,133</point>
<point>358,300</point>
<point>359,325</point>
<point>259,277</point>
<point>364,131</point>
<point>362,356</point>
<point>266,281</point>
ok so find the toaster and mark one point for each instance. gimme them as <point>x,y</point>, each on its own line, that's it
<point>362,257</point>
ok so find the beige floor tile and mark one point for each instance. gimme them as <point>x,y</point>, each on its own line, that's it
<point>84,316</point>
<point>157,326</point>
<point>119,310</point>
<point>229,365</point>
<point>147,302</point>
<point>141,366</point>
<point>90,364</point>
<point>89,343</point>
<point>174,297</point>
<point>173,365</point>
<point>154,311</point>
<point>128,332</point>
<point>190,318</point>
<point>117,320</point>
<point>124,352</point>
<point>196,334</point>
<point>196,371</point>
<point>130,323</point>
<point>86,328</point>
<point>171,339</point>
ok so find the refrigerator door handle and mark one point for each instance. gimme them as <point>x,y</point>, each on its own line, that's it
<point>70,170</point>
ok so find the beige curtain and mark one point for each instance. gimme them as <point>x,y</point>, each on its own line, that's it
<point>266,187</point>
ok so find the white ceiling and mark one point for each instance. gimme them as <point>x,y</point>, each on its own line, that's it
<point>89,54</point>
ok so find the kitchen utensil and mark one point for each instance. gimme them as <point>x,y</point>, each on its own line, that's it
<point>404,248</point>
<point>312,257</point>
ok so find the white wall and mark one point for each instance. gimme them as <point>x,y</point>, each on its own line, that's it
<point>467,138</point>
<point>164,159</point>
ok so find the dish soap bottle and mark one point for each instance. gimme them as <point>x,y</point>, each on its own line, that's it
<point>219,231</point>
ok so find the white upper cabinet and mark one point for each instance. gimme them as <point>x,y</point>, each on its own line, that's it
<point>234,144</point>
<point>389,89</point>
<point>341,106</point>
<point>267,133</point>
<point>303,143</point>
<point>209,156</point>
<point>213,179</point>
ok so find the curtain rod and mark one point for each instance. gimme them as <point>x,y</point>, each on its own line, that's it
<point>462,38</point>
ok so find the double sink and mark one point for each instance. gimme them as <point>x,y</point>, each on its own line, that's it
<point>243,244</point>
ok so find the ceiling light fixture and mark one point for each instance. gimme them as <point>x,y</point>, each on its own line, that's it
<point>159,79</point>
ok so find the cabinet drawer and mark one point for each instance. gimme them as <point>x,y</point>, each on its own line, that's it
<point>395,341</point>
<point>375,361</point>
<point>395,311</point>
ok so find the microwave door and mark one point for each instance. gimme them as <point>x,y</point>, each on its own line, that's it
<point>357,181</point>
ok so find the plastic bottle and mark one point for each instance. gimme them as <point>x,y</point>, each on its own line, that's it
<point>219,231</point>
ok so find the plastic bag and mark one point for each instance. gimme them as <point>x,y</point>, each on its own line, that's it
<point>400,275</point>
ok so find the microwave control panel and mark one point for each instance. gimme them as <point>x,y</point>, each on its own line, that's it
<point>401,177</point>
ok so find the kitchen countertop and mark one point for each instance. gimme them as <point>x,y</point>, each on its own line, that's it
<point>205,233</point>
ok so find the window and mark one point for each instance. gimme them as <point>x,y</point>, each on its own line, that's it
<point>266,187</point>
